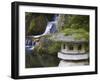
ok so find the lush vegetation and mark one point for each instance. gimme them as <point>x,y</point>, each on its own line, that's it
<point>45,55</point>
<point>77,26</point>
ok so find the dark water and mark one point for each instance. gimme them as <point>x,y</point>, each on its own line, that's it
<point>43,60</point>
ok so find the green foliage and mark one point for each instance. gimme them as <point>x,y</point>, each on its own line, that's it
<point>41,50</point>
<point>78,21</point>
<point>49,47</point>
<point>84,36</point>
<point>32,25</point>
<point>77,26</point>
<point>35,23</point>
<point>54,48</point>
<point>77,33</point>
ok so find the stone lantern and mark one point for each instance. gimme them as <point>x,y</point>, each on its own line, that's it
<point>73,52</point>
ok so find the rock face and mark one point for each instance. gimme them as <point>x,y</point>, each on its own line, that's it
<point>62,20</point>
<point>35,23</point>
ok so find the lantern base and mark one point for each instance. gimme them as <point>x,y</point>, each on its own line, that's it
<point>64,63</point>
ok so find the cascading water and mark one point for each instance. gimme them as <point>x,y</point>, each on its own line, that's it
<point>50,28</point>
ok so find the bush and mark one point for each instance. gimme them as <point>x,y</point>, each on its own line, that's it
<point>77,33</point>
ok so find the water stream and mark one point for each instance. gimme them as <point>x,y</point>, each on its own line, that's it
<point>50,28</point>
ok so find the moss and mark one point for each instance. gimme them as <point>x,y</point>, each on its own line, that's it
<point>77,33</point>
<point>32,25</point>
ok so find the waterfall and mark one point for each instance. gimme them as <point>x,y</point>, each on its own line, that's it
<point>50,28</point>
